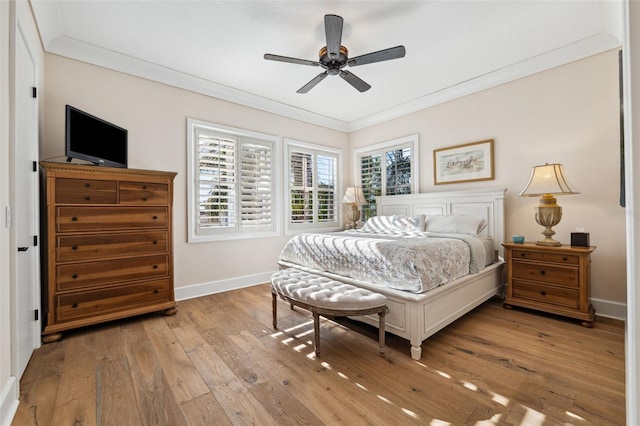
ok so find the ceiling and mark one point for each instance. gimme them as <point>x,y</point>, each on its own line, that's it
<point>216,47</point>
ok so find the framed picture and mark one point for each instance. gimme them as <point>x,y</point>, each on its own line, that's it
<point>463,163</point>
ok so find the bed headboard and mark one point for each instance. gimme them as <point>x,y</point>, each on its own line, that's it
<point>488,204</point>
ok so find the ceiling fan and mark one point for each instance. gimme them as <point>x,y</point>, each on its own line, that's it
<point>334,57</point>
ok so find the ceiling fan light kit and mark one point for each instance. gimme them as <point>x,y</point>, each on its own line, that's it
<point>334,57</point>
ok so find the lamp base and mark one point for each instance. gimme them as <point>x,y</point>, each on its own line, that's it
<point>548,214</point>
<point>353,216</point>
<point>548,242</point>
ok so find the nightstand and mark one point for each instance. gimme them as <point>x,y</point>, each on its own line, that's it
<point>551,279</point>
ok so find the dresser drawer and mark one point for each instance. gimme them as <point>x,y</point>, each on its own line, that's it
<point>105,246</point>
<point>93,303</point>
<point>86,191</point>
<point>144,193</point>
<point>567,259</point>
<point>108,218</point>
<point>88,274</point>
<point>560,296</point>
<point>548,273</point>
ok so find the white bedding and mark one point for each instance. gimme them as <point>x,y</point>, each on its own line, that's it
<point>405,260</point>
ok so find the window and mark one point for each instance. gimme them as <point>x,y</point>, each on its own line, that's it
<point>387,169</point>
<point>231,183</point>
<point>312,179</point>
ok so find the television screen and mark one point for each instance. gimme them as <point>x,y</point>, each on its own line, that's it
<point>93,139</point>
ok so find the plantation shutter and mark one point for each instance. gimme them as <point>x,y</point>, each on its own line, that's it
<point>326,172</point>
<point>256,184</point>
<point>301,181</point>
<point>216,180</point>
<point>371,181</point>
<point>235,183</point>
<point>312,186</point>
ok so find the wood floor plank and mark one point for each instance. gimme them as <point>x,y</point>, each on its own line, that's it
<point>43,373</point>
<point>153,393</point>
<point>219,361</point>
<point>116,408</point>
<point>75,398</point>
<point>185,381</point>
<point>239,404</point>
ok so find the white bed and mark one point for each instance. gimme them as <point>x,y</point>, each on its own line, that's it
<point>416,316</point>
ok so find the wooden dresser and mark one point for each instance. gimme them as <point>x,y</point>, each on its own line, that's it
<point>551,279</point>
<point>107,250</point>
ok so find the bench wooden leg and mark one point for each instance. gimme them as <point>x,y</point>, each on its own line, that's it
<point>381,321</point>
<point>316,333</point>
<point>274,309</point>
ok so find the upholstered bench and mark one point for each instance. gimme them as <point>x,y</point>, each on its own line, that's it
<point>329,298</point>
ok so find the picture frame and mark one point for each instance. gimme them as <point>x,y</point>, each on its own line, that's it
<point>469,162</point>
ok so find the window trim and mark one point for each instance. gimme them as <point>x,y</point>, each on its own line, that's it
<point>413,141</point>
<point>291,228</point>
<point>192,199</point>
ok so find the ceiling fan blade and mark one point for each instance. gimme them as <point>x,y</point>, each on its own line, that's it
<point>310,85</point>
<point>333,33</point>
<point>279,58</point>
<point>356,82</point>
<point>379,56</point>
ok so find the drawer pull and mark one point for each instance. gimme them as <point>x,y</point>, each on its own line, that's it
<point>144,198</point>
<point>523,255</point>
<point>74,276</point>
<point>155,291</point>
<point>542,272</point>
<point>543,293</point>
<point>564,259</point>
<point>87,198</point>
<point>144,187</point>
<point>155,266</point>
<point>155,217</point>
<point>87,184</point>
<point>75,305</point>
<point>155,242</point>
<point>74,247</point>
<point>74,219</point>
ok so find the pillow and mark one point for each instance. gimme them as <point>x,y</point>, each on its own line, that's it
<point>456,224</point>
<point>395,223</point>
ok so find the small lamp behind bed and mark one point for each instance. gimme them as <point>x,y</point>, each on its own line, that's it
<point>355,197</point>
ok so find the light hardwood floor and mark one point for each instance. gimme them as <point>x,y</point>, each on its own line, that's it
<point>219,361</point>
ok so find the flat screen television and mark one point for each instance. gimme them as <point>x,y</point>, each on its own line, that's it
<point>93,139</point>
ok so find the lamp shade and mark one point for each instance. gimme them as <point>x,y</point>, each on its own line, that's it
<point>354,195</point>
<point>547,179</point>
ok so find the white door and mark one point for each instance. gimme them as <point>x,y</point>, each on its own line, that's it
<point>25,213</point>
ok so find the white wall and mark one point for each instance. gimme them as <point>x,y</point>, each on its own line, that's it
<point>567,115</point>
<point>155,116</point>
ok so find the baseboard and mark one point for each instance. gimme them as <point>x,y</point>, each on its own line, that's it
<point>8,401</point>
<point>212,287</point>
<point>609,309</point>
<point>604,308</point>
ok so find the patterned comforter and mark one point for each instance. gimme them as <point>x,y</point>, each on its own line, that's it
<point>411,260</point>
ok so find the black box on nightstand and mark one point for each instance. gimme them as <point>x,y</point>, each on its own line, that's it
<point>580,239</point>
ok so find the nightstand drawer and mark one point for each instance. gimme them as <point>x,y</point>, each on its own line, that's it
<point>546,257</point>
<point>548,273</point>
<point>547,294</point>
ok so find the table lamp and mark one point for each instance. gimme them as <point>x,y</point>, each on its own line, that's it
<point>545,182</point>
<point>355,197</point>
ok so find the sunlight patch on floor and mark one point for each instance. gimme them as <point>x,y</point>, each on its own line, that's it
<point>470,386</point>
<point>533,417</point>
